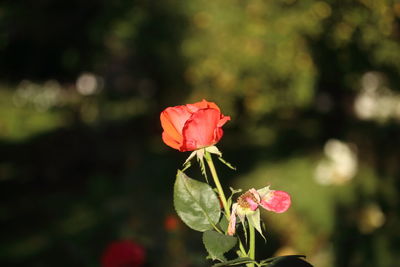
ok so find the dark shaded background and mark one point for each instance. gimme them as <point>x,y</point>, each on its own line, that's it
<point>310,85</point>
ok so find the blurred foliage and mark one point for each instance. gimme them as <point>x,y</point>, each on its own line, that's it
<point>82,163</point>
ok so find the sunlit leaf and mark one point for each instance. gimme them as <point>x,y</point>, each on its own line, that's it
<point>196,203</point>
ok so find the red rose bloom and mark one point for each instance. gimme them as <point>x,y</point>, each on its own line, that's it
<point>123,254</point>
<point>192,126</point>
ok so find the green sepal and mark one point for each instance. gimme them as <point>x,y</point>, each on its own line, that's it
<point>199,154</point>
<point>233,192</point>
<point>217,244</point>
<point>215,150</point>
<point>187,162</point>
<point>200,159</point>
<point>227,163</point>
<point>254,220</point>
<point>186,165</point>
<point>196,203</point>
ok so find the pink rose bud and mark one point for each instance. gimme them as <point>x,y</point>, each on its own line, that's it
<point>276,201</point>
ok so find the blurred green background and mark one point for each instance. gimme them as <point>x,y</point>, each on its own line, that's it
<point>312,88</point>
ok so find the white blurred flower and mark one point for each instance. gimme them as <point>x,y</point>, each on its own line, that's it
<point>41,96</point>
<point>339,165</point>
<point>88,84</point>
<point>365,106</point>
<point>375,101</point>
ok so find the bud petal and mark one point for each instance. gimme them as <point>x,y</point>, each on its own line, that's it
<point>232,221</point>
<point>276,201</point>
<point>252,203</point>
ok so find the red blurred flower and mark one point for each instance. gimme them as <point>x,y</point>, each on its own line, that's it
<point>123,254</point>
<point>171,223</point>
<point>192,126</point>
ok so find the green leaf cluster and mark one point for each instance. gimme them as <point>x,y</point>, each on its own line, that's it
<point>281,261</point>
<point>199,208</point>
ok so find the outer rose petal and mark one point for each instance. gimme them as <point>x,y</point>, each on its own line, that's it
<point>223,120</point>
<point>276,201</point>
<point>218,132</point>
<point>202,105</point>
<point>168,140</point>
<point>173,120</point>
<point>200,130</point>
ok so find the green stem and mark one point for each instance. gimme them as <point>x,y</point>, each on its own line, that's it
<point>214,175</point>
<point>221,194</point>
<point>241,247</point>
<point>252,249</point>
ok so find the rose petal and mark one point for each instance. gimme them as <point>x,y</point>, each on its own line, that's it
<point>202,105</point>
<point>199,130</point>
<point>242,212</point>
<point>168,140</point>
<point>264,191</point>
<point>255,194</point>
<point>172,121</point>
<point>276,201</point>
<point>253,204</point>
<point>223,120</point>
<point>218,132</point>
<point>232,221</point>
